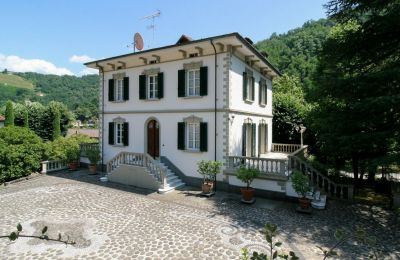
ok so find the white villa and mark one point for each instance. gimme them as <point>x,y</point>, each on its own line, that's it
<point>162,110</point>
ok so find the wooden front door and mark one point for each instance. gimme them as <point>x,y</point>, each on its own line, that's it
<point>153,139</point>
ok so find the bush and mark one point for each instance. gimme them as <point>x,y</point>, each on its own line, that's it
<point>66,148</point>
<point>21,152</point>
<point>209,169</point>
<point>247,175</point>
<point>300,183</point>
<point>93,155</point>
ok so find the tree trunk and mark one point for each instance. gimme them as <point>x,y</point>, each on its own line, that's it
<point>372,169</point>
<point>355,163</point>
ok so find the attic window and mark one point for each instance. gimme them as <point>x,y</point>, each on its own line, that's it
<point>184,39</point>
<point>153,61</point>
<point>191,55</point>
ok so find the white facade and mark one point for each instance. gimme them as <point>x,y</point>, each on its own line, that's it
<point>225,64</point>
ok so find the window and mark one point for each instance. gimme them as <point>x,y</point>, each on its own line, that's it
<point>152,88</point>
<point>119,129</point>
<point>119,89</point>
<point>263,92</point>
<point>193,134</point>
<point>248,86</point>
<point>193,83</point>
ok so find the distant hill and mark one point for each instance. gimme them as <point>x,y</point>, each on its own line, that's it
<point>80,94</point>
<point>296,52</point>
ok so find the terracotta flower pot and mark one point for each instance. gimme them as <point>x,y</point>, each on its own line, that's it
<point>73,166</point>
<point>247,194</point>
<point>207,187</point>
<point>92,168</point>
<point>305,203</point>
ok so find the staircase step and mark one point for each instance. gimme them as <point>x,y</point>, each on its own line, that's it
<point>170,187</point>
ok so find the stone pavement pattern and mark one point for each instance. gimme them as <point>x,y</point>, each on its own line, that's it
<point>112,221</point>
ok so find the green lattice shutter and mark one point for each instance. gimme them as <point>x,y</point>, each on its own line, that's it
<point>181,83</point>
<point>125,134</point>
<point>160,85</point>
<point>252,89</point>
<point>126,88</point>
<point>244,85</point>
<point>111,90</point>
<point>142,87</point>
<point>260,86</point>
<point>244,127</point>
<point>181,136</point>
<point>203,81</point>
<point>203,137</point>
<point>111,133</point>
<point>253,140</point>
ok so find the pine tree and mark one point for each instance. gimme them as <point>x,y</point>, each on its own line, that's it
<point>56,125</point>
<point>9,114</point>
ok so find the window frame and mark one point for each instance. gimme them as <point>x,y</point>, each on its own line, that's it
<point>263,95</point>
<point>118,89</point>
<point>249,88</point>
<point>119,133</point>
<point>152,87</point>
<point>193,129</point>
<point>195,81</point>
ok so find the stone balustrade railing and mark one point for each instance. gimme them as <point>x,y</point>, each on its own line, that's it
<point>324,183</point>
<point>285,148</point>
<point>52,166</point>
<point>264,165</point>
<point>142,160</point>
<point>87,146</point>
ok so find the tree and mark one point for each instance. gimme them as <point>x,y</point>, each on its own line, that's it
<point>356,95</point>
<point>9,114</point>
<point>56,125</point>
<point>26,119</point>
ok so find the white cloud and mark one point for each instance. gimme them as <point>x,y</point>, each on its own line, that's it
<point>80,58</point>
<point>88,71</point>
<point>17,64</point>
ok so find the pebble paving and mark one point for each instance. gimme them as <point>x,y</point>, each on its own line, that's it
<point>112,221</point>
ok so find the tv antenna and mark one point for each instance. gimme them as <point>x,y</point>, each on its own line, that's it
<point>152,17</point>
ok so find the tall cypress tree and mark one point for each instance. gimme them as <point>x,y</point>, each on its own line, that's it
<point>26,118</point>
<point>56,125</point>
<point>9,114</point>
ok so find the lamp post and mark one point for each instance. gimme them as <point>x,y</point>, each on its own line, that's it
<point>301,129</point>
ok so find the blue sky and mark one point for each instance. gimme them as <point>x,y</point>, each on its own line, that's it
<point>56,36</point>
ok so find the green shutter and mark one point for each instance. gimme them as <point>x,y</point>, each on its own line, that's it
<point>160,85</point>
<point>266,93</point>
<point>203,81</point>
<point>252,89</point>
<point>244,85</point>
<point>111,133</point>
<point>111,90</point>
<point>125,134</point>
<point>181,136</point>
<point>126,88</point>
<point>253,140</point>
<point>181,83</point>
<point>203,137</point>
<point>259,139</point>
<point>142,87</point>
<point>244,139</point>
<point>260,86</point>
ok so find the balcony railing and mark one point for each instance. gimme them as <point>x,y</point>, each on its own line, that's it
<point>264,165</point>
<point>285,148</point>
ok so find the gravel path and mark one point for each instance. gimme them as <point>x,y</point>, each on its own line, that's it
<point>112,221</point>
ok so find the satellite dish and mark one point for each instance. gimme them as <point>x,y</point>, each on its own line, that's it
<point>138,41</point>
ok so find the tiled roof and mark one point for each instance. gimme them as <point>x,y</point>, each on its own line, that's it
<point>2,118</point>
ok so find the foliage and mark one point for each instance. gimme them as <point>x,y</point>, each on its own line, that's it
<point>289,108</point>
<point>209,169</point>
<point>93,154</point>
<point>21,151</point>
<point>17,234</point>
<point>247,175</point>
<point>56,125</point>
<point>270,231</point>
<point>66,148</point>
<point>9,114</point>
<point>300,183</point>
<point>26,119</point>
<point>355,113</point>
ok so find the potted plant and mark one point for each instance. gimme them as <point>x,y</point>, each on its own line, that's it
<point>93,155</point>
<point>209,170</point>
<point>72,156</point>
<point>301,186</point>
<point>247,175</point>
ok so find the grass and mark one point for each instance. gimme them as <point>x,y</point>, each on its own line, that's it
<point>15,81</point>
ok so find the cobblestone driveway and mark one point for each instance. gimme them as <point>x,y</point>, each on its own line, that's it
<point>110,221</point>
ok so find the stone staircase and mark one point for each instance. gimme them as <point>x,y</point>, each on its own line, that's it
<point>172,180</point>
<point>155,175</point>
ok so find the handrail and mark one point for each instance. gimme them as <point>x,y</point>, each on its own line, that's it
<point>264,165</point>
<point>333,189</point>
<point>142,160</point>
<point>285,148</point>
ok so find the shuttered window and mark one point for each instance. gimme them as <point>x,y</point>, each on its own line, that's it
<point>192,136</point>
<point>262,95</point>
<point>118,133</point>
<point>248,87</point>
<point>118,89</point>
<point>152,86</point>
<point>193,82</point>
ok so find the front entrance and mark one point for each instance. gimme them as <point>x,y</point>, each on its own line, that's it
<point>153,139</point>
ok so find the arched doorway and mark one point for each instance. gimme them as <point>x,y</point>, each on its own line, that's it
<point>153,138</point>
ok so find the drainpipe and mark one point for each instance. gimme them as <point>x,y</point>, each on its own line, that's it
<point>102,115</point>
<point>215,109</point>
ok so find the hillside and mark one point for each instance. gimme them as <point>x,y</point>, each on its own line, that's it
<point>296,51</point>
<point>80,94</point>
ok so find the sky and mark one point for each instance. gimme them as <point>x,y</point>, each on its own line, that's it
<point>58,36</point>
